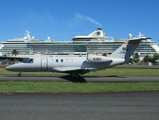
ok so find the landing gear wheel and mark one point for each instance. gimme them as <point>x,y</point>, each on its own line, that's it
<point>19,75</point>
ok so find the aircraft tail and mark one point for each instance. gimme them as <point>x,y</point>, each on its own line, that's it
<point>127,49</point>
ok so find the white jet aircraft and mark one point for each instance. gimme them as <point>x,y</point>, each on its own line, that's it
<point>76,65</point>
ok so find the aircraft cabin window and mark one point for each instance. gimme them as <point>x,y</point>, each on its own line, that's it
<point>61,60</point>
<point>57,60</point>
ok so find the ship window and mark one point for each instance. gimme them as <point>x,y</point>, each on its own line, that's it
<point>98,33</point>
<point>57,60</point>
<point>61,60</point>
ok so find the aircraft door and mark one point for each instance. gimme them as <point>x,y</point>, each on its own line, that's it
<point>44,64</point>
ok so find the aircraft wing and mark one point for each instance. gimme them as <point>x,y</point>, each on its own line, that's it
<point>73,69</point>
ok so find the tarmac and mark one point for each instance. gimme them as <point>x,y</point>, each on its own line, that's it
<point>81,106</point>
<point>68,78</point>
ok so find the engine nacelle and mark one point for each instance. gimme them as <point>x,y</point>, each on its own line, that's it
<point>97,59</point>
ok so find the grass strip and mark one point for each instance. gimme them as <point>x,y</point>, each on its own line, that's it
<point>65,87</point>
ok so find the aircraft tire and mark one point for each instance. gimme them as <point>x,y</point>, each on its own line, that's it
<point>19,75</point>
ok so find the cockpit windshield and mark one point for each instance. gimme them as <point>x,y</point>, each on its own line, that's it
<point>28,60</point>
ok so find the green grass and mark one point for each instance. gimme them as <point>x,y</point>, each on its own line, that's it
<point>58,87</point>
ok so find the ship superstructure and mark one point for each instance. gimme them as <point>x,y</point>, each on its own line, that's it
<point>96,42</point>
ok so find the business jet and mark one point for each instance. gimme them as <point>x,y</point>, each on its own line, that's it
<point>78,65</point>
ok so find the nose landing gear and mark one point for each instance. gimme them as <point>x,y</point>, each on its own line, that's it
<point>19,74</point>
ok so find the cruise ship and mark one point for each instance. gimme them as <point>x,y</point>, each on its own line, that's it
<point>96,42</point>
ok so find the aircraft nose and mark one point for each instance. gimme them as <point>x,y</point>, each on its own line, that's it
<point>9,68</point>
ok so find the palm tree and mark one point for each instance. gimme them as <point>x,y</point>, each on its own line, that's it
<point>136,58</point>
<point>147,58</point>
<point>15,52</point>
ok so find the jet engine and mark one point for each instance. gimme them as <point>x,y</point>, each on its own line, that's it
<point>97,59</point>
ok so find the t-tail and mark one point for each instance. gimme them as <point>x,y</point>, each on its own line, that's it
<point>127,49</point>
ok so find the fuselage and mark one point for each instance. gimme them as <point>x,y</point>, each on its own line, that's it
<point>61,64</point>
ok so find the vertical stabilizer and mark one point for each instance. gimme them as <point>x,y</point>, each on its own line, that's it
<point>127,49</point>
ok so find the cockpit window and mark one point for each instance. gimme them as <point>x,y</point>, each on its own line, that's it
<point>25,60</point>
<point>30,60</point>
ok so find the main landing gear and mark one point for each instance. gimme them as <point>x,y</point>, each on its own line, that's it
<point>75,75</point>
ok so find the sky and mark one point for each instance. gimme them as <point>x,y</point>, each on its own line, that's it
<point>65,19</point>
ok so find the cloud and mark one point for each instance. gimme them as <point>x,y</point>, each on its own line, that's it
<point>81,17</point>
